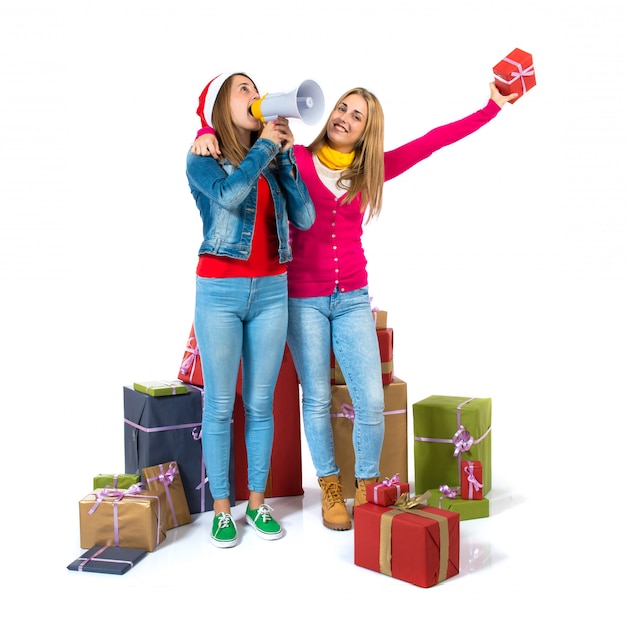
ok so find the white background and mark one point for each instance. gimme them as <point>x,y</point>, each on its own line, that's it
<point>500,260</point>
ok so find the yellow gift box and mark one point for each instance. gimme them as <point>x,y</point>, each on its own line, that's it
<point>129,518</point>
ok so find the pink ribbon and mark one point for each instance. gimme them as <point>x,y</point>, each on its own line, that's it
<point>448,492</point>
<point>520,74</point>
<point>166,479</point>
<point>394,481</point>
<point>189,362</point>
<point>472,480</point>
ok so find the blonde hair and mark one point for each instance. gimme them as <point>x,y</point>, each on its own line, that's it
<point>366,174</point>
<point>230,145</point>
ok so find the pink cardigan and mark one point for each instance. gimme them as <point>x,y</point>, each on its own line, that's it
<point>330,254</point>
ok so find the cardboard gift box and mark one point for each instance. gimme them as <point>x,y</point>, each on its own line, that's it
<point>448,430</point>
<point>450,500</point>
<point>380,318</point>
<point>386,492</point>
<point>159,429</point>
<point>161,388</point>
<point>471,480</point>
<point>116,481</point>
<point>385,346</point>
<point>165,478</point>
<point>419,545</point>
<point>394,456</point>
<point>130,518</point>
<point>285,475</point>
<point>515,74</point>
<point>107,560</point>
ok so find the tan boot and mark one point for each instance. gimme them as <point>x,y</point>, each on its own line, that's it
<point>334,513</point>
<point>359,494</point>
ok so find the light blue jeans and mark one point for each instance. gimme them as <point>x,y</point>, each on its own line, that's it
<point>239,319</point>
<point>345,321</point>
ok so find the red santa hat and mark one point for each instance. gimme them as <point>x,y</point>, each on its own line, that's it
<point>209,95</point>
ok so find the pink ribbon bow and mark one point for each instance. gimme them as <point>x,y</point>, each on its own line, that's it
<point>472,480</point>
<point>462,440</point>
<point>521,72</point>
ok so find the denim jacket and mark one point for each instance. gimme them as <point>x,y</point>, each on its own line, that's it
<point>226,198</point>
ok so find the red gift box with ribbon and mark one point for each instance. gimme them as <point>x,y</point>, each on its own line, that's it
<point>190,370</point>
<point>515,74</point>
<point>386,492</point>
<point>165,478</point>
<point>409,541</point>
<point>471,480</point>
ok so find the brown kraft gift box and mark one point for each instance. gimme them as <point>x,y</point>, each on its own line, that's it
<point>394,457</point>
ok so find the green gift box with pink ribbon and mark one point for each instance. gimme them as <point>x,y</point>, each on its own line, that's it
<point>448,430</point>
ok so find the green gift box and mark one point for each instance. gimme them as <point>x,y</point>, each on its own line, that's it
<point>161,388</point>
<point>448,430</point>
<point>467,509</point>
<point>116,481</point>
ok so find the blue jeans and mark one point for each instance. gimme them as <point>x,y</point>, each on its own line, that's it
<point>345,320</point>
<point>239,319</point>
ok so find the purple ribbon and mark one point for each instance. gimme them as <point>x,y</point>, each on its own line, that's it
<point>472,480</point>
<point>166,479</point>
<point>394,481</point>
<point>189,362</point>
<point>448,492</point>
<point>133,491</point>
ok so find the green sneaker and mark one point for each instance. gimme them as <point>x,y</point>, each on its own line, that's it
<point>224,531</point>
<point>263,523</point>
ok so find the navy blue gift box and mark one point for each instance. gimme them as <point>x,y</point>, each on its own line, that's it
<point>168,428</point>
<point>107,560</point>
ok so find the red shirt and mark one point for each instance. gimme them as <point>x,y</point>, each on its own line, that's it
<point>263,259</point>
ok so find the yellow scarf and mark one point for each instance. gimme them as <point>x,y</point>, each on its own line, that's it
<point>335,160</point>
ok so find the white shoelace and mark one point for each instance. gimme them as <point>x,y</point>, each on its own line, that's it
<point>224,520</point>
<point>264,512</point>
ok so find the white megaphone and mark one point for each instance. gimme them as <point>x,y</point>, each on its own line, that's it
<point>306,103</point>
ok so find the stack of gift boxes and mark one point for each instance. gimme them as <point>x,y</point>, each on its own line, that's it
<point>412,538</point>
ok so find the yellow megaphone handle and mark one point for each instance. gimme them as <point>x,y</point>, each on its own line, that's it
<point>255,109</point>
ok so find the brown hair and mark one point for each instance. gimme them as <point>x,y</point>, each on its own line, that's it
<point>230,145</point>
<point>366,174</point>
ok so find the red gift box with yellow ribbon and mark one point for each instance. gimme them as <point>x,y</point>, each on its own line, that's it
<point>515,74</point>
<point>415,543</point>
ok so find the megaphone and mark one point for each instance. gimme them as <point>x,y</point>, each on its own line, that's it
<point>305,102</point>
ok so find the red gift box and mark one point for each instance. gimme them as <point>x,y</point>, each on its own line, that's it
<point>386,492</point>
<point>419,545</point>
<point>190,370</point>
<point>471,480</point>
<point>385,346</point>
<point>515,74</point>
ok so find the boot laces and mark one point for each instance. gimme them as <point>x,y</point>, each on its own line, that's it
<point>332,493</point>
